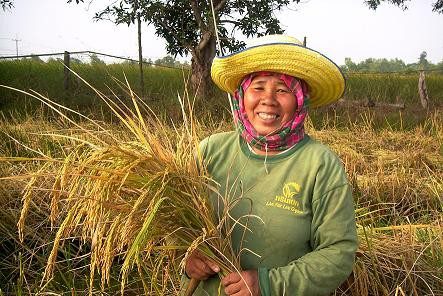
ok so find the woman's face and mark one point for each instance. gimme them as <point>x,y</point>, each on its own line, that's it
<point>268,104</point>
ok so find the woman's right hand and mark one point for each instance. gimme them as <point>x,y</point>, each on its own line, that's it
<point>199,267</point>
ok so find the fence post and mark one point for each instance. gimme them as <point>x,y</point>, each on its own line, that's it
<point>140,56</point>
<point>66,71</point>
<point>422,91</point>
<point>304,41</point>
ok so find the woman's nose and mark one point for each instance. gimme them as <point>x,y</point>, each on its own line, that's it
<point>268,98</point>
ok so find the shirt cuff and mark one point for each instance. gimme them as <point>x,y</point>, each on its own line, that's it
<point>263,281</point>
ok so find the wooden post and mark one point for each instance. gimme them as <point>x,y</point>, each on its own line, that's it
<point>304,41</point>
<point>140,57</point>
<point>422,91</point>
<point>66,71</point>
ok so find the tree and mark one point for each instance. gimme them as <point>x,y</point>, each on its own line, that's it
<point>171,62</point>
<point>36,58</point>
<point>166,61</point>
<point>373,4</point>
<point>95,60</point>
<point>349,65</point>
<point>76,61</point>
<point>6,4</point>
<point>375,65</point>
<point>188,27</point>
<point>423,62</point>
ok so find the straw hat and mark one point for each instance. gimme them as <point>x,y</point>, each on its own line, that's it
<point>282,54</point>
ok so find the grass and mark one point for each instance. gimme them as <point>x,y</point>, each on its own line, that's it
<point>395,166</point>
<point>392,87</point>
<point>48,79</point>
<point>161,86</point>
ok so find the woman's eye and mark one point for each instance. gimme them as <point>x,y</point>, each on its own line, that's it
<point>282,90</point>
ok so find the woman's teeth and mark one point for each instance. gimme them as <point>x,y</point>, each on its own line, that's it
<point>267,116</point>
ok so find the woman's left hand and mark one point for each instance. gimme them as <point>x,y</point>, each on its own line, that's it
<point>237,284</point>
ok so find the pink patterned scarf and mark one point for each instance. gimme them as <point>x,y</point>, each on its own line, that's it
<point>290,133</point>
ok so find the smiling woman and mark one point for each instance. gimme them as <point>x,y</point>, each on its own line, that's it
<point>304,239</point>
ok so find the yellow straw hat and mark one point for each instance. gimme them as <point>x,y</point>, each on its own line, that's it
<point>281,54</point>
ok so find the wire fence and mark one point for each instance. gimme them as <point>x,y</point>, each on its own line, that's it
<point>86,56</point>
<point>48,73</point>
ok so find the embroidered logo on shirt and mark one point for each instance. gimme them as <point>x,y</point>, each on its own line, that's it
<point>286,201</point>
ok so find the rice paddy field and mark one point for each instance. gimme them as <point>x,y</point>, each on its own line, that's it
<point>393,157</point>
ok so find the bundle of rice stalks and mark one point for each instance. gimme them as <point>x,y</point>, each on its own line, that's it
<point>144,200</point>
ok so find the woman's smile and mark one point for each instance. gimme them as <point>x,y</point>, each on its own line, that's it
<point>267,116</point>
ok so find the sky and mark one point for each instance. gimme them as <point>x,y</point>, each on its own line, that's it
<point>336,28</point>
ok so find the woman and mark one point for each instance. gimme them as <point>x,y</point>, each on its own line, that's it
<point>305,240</point>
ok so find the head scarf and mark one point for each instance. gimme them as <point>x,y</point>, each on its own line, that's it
<point>290,133</point>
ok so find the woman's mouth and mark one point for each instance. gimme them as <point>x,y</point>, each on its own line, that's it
<point>267,116</point>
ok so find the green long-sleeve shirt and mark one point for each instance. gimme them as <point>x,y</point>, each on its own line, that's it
<point>306,235</point>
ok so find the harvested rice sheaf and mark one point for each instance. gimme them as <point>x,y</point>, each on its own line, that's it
<point>144,200</point>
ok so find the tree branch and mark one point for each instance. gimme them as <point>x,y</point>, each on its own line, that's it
<point>230,22</point>
<point>220,5</point>
<point>206,37</point>
<point>197,14</point>
<point>438,6</point>
<point>179,39</point>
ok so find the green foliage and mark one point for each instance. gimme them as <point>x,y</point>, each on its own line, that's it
<point>423,61</point>
<point>392,65</point>
<point>373,4</point>
<point>36,58</point>
<point>6,4</point>
<point>170,62</point>
<point>95,60</point>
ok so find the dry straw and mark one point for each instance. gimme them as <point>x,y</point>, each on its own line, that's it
<point>146,201</point>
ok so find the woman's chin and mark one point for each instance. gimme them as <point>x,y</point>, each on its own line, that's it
<point>266,131</point>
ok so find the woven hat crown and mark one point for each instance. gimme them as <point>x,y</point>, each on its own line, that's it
<point>269,39</point>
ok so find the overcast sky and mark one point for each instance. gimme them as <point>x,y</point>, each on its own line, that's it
<point>337,28</point>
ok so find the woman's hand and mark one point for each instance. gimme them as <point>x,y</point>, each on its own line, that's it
<point>199,267</point>
<point>237,286</point>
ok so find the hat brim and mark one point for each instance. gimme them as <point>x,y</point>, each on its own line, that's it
<point>325,79</point>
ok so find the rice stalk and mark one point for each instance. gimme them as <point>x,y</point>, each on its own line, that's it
<point>144,200</point>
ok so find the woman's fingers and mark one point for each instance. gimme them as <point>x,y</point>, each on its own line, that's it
<point>214,267</point>
<point>242,284</point>
<point>233,289</point>
<point>232,283</point>
<point>231,278</point>
<point>199,267</point>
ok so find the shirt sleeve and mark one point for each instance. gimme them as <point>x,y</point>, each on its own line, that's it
<point>333,241</point>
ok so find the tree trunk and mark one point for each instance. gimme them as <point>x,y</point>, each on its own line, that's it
<point>201,62</point>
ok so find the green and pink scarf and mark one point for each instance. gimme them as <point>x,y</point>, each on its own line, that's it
<point>290,133</point>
